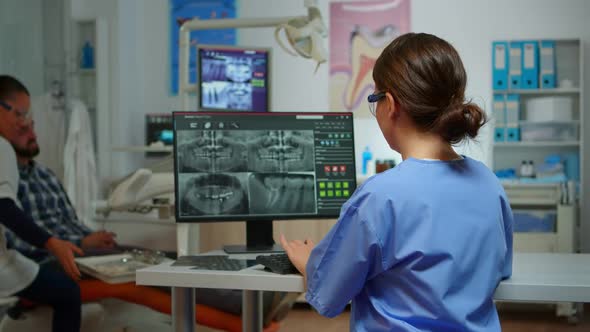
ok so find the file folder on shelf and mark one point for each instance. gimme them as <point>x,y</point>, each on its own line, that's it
<point>500,65</point>
<point>512,118</point>
<point>547,65</point>
<point>499,109</point>
<point>515,65</point>
<point>530,65</point>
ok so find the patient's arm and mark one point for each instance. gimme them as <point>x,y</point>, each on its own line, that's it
<point>99,240</point>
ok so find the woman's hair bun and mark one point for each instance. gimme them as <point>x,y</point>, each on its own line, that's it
<point>460,121</point>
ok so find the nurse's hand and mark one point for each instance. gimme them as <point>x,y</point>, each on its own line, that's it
<point>298,252</point>
<point>64,252</point>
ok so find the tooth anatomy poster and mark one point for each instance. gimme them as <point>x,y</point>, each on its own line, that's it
<point>358,33</point>
<point>185,10</point>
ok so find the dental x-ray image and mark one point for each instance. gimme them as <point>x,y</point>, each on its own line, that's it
<point>282,193</point>
<point>226,83</point>
<point>213,194</point>
<point>280,151</point>
<point>211,151</point>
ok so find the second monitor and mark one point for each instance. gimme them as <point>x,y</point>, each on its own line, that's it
<point>233,78</point>
<point>260,167</point>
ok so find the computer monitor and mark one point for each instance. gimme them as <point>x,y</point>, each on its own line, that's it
<point>233,78</point>
<point>260,167</point>
<point>158,131</point>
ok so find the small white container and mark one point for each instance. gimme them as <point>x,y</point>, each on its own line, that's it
<point>548,131</point>
<point>544,109</point>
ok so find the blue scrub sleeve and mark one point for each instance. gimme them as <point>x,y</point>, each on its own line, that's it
<point>508,220</point>
<point>21,224</point>
<point>342,262</point>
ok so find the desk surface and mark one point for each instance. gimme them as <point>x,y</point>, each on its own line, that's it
<point>540,277</point>
<point>549,277</point>
<point>252,278</point>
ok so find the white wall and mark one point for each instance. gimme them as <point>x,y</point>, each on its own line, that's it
<point>141,59</point>
<point>21,37</point>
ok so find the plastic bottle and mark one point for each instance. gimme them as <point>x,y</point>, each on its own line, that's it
<point>367,157</point>
<point>532,172</point>
<point>524,170</point>
<point>87,61</point>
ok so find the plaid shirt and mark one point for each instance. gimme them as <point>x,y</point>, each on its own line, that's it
<point>44,198</point>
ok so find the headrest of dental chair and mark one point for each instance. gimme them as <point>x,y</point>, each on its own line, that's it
<point>125,194</point>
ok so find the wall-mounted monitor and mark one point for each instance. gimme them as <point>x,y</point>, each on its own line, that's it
<point>233,78</point>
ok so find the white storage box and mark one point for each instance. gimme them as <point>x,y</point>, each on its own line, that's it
<point>548,131</point>
<point>544,109</point>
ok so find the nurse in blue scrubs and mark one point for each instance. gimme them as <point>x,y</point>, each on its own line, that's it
<point>422,246</point>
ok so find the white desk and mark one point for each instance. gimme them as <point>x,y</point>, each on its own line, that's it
<point>543,277</point>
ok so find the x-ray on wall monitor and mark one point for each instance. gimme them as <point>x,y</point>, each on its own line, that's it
<point>259,167</point>
<point>233,78</point>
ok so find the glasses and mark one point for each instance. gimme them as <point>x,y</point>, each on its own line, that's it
<point>24,117</point>
<point>373,99</point>
<point>5,105</point>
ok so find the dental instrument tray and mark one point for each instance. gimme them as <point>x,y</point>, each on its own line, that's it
<point>115,269</point>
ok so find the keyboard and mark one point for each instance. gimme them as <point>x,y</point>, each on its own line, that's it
<point>277,263</point>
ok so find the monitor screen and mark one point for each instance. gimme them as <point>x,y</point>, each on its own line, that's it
<point>262,166</point>
<point>233,79</point>
<point>158,128</point>
<point>158,133</point>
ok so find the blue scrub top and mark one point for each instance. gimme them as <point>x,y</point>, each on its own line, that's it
<point>421,247</point>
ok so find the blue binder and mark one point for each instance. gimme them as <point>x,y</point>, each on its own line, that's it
<point>499,113</point>
<point>530,65</point>
<point>500,65</point>
<point>515,65</point>
<point>512,118</point>
<point>547,65</point>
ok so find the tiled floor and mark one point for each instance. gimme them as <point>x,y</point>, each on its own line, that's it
<point>533,319</point>
<point>124,317</point>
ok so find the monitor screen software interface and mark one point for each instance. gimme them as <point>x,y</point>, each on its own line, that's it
<point>233,79</point>
<point>259,167</point>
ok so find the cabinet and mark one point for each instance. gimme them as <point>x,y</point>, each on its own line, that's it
<point>549,121</point>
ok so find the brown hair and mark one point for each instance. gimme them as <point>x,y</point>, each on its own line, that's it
<point>9,86</point>
<point>426,77</point>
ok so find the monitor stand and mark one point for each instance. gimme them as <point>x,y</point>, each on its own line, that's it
<point>258,239</point>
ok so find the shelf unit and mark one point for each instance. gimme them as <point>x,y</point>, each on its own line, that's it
<point>555,91</point>
<point>569,69</point>
<point>548,197</point>
<point>539,144</point>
